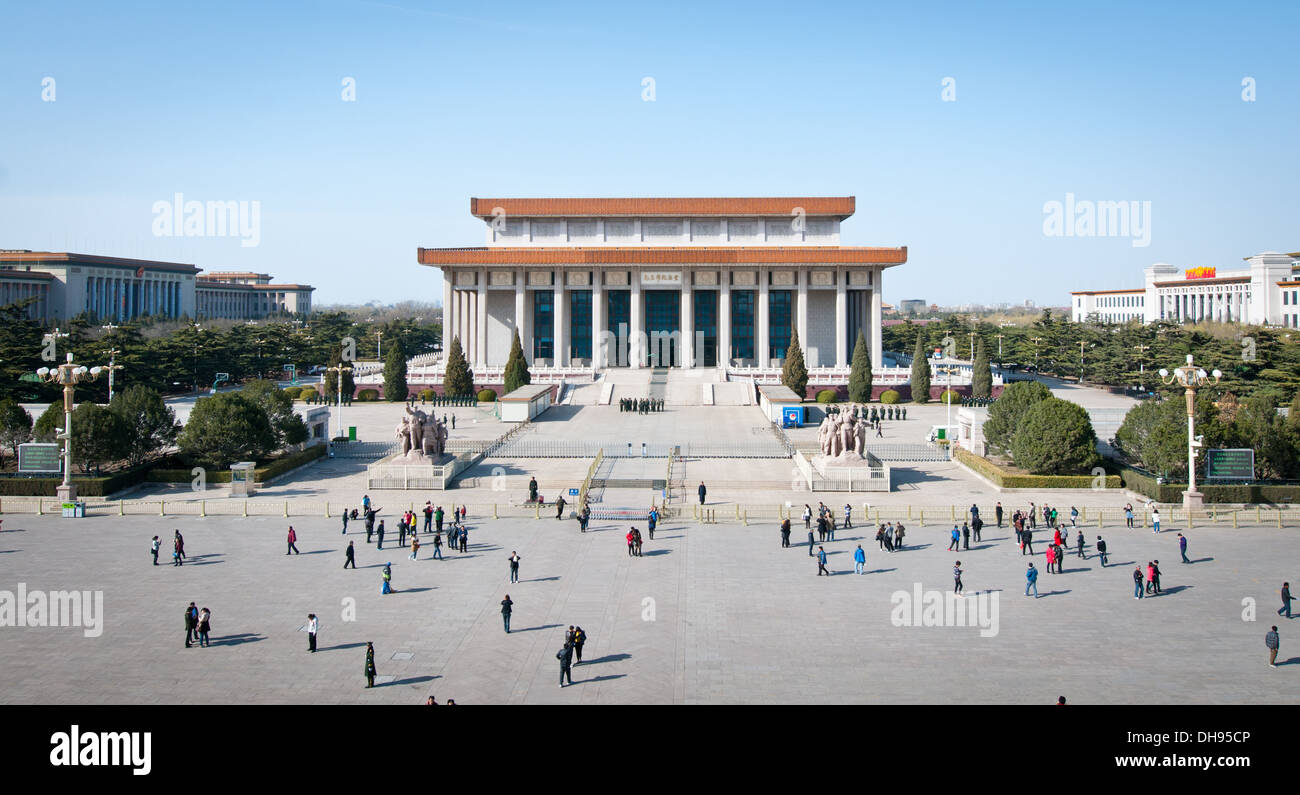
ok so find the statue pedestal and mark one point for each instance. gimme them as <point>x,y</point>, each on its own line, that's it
<point>67,493</point>
<point>849,460</point>
<point>1193,500</point>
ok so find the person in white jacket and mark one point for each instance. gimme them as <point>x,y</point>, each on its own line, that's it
<point>313,626</point>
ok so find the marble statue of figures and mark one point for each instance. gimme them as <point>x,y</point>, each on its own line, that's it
<point>435,437</point>
<point>417,419</point>
<point>822,434</point>
<point>861,446</point>
<point>837,441</point>
<point>403,432</point>
<point>848,433</point>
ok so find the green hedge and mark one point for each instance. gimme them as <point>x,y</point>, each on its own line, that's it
<point>368,395</point>
<point>949,396</point>
<point>1146,484</point>
<point>890,396</point>
<point>1011,480</point>
<point>293,392</point>
<point>427,394</point>
<point>827,396</point>
<point>86,486</point>
<point>264,472</point>
<point>487,395</point>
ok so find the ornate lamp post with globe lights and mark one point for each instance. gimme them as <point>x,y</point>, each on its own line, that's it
<point>68,375</point>
<point>1190,378</point>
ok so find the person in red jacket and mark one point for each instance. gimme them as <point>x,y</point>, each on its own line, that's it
<point>293,537</point>
<point>631,539</point>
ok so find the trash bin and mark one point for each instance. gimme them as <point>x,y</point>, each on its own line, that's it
<point>74,510</point>
<point>352,433</point>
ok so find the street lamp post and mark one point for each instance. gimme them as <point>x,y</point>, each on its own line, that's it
<point>1000,336</point>
<point>1190,378</point>
<point>111,353</point>
<point>1142,365</point>
<point>1035,340</point>
<point>338,370</point>
<point>68,375</point>
<point>947,370</point>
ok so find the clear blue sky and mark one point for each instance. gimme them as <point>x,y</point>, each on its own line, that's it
<point>241,101</point>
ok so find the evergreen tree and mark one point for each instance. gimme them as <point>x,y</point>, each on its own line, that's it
<point>1009,410</point>
<point>226,428</point>
<point>516,374</point>
<point>920,372</point>
<point>981,374</point>
<point>153,424</point>
<point>15,427</point>
<point>860,372</point>
<point>98,437</point>
<point>458,380</point>
<point>1056,438</point>
<point>794,373</point>
<point>47,425</point>
<point>395,388</point>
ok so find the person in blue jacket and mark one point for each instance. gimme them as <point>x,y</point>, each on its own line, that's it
<point>859,559</point>
<point>1031,580</point>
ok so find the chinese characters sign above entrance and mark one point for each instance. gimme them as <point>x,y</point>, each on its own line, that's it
<point>1200,273</point>
<point>661,278</point>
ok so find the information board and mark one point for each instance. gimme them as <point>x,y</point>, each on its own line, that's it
<point>1230,464</point>
<point>39,457</point>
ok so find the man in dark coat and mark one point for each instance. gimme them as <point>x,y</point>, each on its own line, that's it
<point>565,656</point>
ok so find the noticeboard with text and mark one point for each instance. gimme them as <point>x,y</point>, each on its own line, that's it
<point>1230,464</point>
<point>39,457</point>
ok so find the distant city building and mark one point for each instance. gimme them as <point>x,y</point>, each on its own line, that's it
<point>65,285</point>
<point>1267,292</point>
<point>911,306</point>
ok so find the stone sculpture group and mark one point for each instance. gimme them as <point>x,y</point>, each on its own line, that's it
<point>843,435</point>
<point>421,435</point>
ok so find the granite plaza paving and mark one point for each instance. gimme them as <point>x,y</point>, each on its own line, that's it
<point>715,613</point>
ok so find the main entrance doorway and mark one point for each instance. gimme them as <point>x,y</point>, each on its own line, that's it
<point>662,326</point>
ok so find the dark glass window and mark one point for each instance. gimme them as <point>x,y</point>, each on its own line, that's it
<point>543,324</point>
<point>706,328</point>
<point>778,323</point>
<point>742,324</point>
<point>620,326</point>
<point>580,324</point>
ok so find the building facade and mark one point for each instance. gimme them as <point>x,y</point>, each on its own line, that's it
<point>1265,292</point>
<point>686,283</point>
<point>248,296</point>
<point>116,289</point>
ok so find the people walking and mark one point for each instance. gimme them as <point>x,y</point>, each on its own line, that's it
<point>1078,540</point>
<point>1101,551</point>
<point>506,607</point>
<point>437,519</point>
<point>428,516</point>
<point>463,537</point>
<point>810,543</point>
<point>1151,578</point>
<point>293,537</point>
<point>180,545</point>
<point>1287,599</point>
<point>898,536</point>
<point>176,553</point>
<point>1128,516</point>
<point>997,512</point>
<point>1155,576</point>
<point>579,638</point>
<point>965,536</point>
<point>437,545</point>
<point>652,520</point>
<point>1137,582</point>
<point>388,578</point>
<point>859,560</point>
<point>191,623</point>
<point>345,522</point>
<point>1051,557</point>
<point>848,516</point>
<point>370,664</point>
<point>1182,547</point>
<point>821,562</point>
<point>956,578</point>
<point>702,491</point>
<point>380,534</point>
<point>350,556</point>
<point>1271,642</point>
<point>204,626</point>
<point>565,656</point>
<point>976,525</point>
<point>1074,516</point>
<point>785,534</point>
<point>1155,520</point>
<point>1027,541</point>
<point>313,626</point>
<point>807,516</point>
<point>514,566</point>
<point>154,547</point>
<point>1031,580</point>
<point>956,538</point>
<point>415,546</point>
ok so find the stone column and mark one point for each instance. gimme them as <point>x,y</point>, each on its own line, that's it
<point>761,341</point>
<point>687,326</point>
<point>561,316</point>
<point>877,321</point>
<point>636,332</point>
<point>481,332</point>
<point>801,317</point>
<point>448,311</point>
<point>521,306</point>
<point>842,319</point>
<point>724,319</point>
<point>598,354</point>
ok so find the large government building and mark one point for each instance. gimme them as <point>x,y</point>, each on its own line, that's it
<point>658,282</point>
<point>65,285</point>
<point>1265,292</point>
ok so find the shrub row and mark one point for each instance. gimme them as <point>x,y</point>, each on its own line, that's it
<point>826,396</point>
<point>890,396</point>
<point>487,395</point>
<point>1012,480</point>
<point>1144,483</point>
<point>86,486</point>
<point>266,471</point>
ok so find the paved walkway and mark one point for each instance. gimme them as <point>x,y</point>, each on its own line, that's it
<point>709,614</point>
